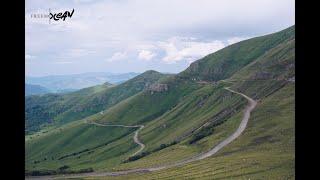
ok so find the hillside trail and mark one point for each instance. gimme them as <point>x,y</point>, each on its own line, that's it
<point>135,137</point>
<point>247,111</point>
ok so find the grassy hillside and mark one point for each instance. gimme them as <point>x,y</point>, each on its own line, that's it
<point>77,144</point>
<point>209,104</point>
<point>62,108</point>
<point>227,61</point>
<point>264,151</point>
<point>43,109</point>
<point>189,113</point>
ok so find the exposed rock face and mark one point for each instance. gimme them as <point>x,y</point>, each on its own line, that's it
<point>157,88</point>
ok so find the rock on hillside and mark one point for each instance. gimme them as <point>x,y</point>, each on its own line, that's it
<point>157,87</point>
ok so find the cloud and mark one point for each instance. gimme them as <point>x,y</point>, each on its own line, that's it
<point>182,48</point>
<point>131,26</point>
<point>146,55</point>
<point>118,56</point>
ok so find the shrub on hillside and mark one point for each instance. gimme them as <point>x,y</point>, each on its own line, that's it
<point>204,132</point>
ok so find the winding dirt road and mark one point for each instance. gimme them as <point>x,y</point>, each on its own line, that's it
<point>135,137</point>
<point>247,111</point>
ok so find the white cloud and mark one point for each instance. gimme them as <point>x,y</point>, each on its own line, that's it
<point>117,56</point>
<point>178,49</point>
<point>146,55</point>
<point>131,26</point>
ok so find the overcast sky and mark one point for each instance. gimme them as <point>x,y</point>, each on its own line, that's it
<point>139,35</point>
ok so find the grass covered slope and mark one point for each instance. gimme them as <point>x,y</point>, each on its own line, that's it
<point>68,107</point>
<point>264,151</point>
<point>227,61</point>
<point>190,113</point>
<point>266,148</point>
<point>77,145</point>
<point>43,109</point>
<point>149,104</point>
<point>208,104</point>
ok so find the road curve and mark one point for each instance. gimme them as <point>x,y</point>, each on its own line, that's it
<point>135,137</point>
<point>137,141</point>
<point>247,111</point>
<point>252,104</point>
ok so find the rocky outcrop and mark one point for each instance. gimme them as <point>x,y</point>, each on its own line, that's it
<point>158,87</point>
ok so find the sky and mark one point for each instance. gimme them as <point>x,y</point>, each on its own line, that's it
<point>122,36</point>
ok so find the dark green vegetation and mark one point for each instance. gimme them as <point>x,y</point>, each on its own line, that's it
<point>61,170</point>
<point>145,153</point>
<point>31,89</point>
<point>191,115</point>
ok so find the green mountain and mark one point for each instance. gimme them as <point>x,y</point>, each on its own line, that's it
<point>63,108</point>
<point>187,114</point>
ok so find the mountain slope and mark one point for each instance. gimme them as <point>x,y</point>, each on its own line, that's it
<point>191,112</point>
<point>227,61</point>
<point>266,148</point>
<point>62,108</point>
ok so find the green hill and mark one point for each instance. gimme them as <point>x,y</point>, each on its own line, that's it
<point>266,148</point>
<point>63,108</point>
<point>187,114</point>
<point>225,62</point>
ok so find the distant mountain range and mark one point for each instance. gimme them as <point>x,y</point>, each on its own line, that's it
<point>67,83</point>
<point>31,89</point>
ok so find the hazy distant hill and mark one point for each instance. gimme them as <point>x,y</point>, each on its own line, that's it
<point>61,83</point>
<point>31,89</point>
